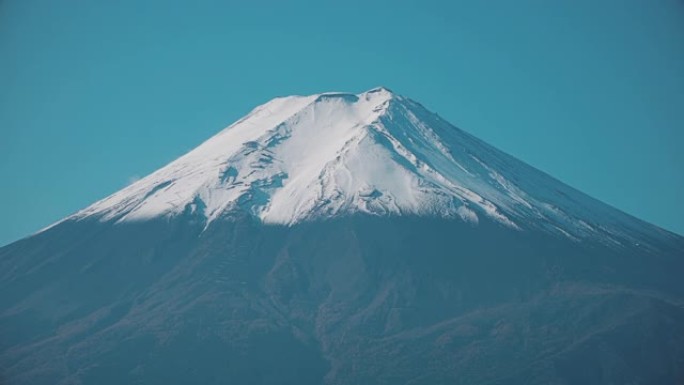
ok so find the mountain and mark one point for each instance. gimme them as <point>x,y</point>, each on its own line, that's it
<point>344,239</point>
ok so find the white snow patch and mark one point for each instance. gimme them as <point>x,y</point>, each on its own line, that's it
<point>300,158</point>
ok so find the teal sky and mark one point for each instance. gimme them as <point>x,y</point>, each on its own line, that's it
<point>96,93</point>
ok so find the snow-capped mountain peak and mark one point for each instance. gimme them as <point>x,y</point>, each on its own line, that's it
<point>302,158</point>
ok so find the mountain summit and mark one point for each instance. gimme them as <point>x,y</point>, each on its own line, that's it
<point>344,239</point>
<point>303,158</point>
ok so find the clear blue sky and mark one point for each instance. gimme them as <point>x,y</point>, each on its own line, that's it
<point>95,93</point>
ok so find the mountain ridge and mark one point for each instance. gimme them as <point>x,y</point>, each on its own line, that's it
<point>318,241</point>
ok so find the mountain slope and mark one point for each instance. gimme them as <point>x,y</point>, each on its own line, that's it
<point>344,239</point>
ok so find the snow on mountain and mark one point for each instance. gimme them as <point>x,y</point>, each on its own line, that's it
<point>301,158</point>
